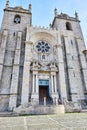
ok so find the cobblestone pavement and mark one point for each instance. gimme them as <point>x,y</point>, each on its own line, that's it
<point>76,121</point>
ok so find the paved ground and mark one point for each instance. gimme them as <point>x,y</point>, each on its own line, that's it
<point>76,121</point>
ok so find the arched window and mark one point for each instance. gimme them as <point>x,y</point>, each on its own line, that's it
<point>68,26</point>
<point>17,19</point>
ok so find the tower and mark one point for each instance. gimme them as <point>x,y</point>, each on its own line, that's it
<point>75,62</point>
<point>13,35</point>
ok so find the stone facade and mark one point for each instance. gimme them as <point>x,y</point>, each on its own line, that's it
<point>41,65</point>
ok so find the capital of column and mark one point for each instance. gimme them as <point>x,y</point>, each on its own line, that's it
<point>29,42</point>
<point>53,73</point>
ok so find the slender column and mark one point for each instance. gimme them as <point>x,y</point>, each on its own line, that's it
<point>52,84</point>
<point>15,74</point>
<point>54,93</point>
<point>2,51</point>
<point>33,83</point>
<point>62,81</point>
<point>55,83</point>
<point>37,85</point>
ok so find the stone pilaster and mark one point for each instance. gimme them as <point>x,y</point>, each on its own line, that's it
<point>26,74</point>
<point>35,88</point>
<point>83,62</point>
<point>69,65</point>
<point>70,69</point>
<point>25,85</point>
<point>2,50</point>
<point>62,82</point>
<point>15,74</point>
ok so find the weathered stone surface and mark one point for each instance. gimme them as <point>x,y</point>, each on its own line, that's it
<point>31,109</point>
<point>55,56</point>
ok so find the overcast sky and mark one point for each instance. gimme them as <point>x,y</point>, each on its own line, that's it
<point>43,10</point>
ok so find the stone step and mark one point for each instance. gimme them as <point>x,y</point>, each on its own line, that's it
<point>40,109</point>
<point>8,114</point>
<point>83,111</point>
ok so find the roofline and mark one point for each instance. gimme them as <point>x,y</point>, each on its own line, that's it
<point>18,11</point>
<point>70,19</point>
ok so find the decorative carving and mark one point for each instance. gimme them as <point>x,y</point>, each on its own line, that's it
<point>35,66</point>
<point>55,56</point>
<point>55,49</point>
<point>43,67</point>
<point>53,67</point>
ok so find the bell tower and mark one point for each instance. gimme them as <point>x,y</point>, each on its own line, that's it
<point>16,18</point>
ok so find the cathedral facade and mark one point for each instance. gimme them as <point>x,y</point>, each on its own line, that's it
<point>38,64</point>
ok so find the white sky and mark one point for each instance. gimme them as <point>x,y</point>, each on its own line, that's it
<point>43,10</point>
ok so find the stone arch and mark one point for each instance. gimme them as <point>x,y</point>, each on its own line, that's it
<point>44,36</point>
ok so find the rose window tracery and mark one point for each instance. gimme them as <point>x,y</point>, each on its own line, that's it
<point>43,47</point>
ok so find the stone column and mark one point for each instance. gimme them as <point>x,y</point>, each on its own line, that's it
<point>15,74</point>
<point>62,82</point>
<point>37,85</point>
<point>52,90</point>
<point>55,85</point>
<point>26,73</point>
<point>54,93</point>
<point>35,89</point>
<point>2,51</point>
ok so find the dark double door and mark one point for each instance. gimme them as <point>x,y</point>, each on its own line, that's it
<point>43,92</point>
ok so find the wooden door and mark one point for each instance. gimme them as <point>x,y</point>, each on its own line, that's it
<point>43,92</point>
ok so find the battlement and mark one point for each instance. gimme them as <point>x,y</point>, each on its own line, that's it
<point>44,28</point>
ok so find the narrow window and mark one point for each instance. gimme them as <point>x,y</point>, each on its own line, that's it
<point>68,26</point>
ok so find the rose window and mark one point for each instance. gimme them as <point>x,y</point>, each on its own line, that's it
<point>43,47</point>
